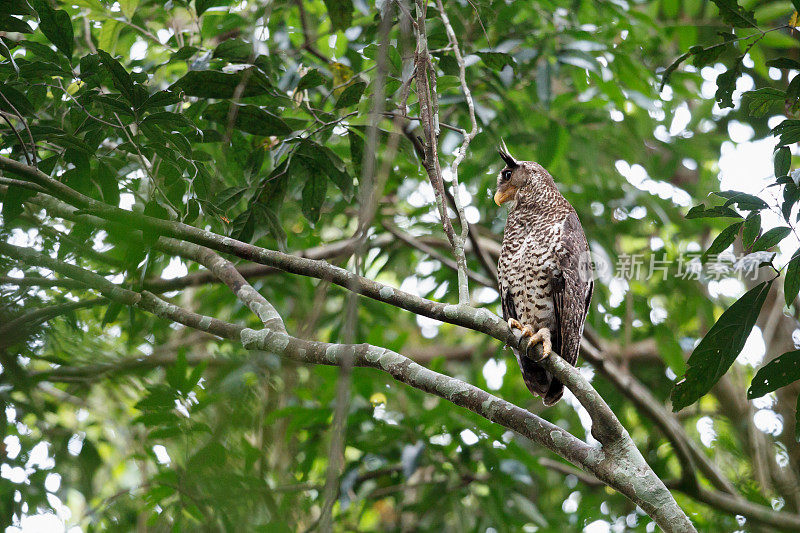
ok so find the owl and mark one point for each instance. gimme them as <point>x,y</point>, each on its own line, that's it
<point>544,272</point>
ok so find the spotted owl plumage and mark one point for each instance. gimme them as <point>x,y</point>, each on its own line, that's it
<point>544,270</point>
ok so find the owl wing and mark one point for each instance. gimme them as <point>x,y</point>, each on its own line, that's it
<point>572,287</point>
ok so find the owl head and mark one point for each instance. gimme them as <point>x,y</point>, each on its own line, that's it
<point>519,179</point>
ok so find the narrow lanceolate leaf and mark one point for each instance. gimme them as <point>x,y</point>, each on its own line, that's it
<point>670,69</point>
<point>700,211</point>
<point>797,420</point>
<point>723,240</point>
<point>791,286</point>
<point>779,372</point>
<point>314,196</point>
<point>56,26</point>
<point>751,228</point>
<point>735,15</point>
<point>743,200</point>
<point>719,348</point>
<point>771,238</point>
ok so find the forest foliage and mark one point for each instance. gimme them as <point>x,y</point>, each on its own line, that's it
<point>252,120</point>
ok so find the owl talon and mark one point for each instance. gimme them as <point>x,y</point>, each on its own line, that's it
<point>513,323</point>
<point>543,336</point>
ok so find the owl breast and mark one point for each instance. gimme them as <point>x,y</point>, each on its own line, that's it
<point>526,264</point>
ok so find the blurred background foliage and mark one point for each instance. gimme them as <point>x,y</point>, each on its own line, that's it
<point>145,425</point>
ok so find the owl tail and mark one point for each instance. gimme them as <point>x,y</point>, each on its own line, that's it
<point>539,381</point>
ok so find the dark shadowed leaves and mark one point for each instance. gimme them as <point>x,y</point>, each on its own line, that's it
<point>249,118</point>
<point>12,202</point>
<point>14,98</point>
<point>720,347</point>
<point>735,15</point>
<point>726,84</point>
<point>314,195</point>
<point>783,161</point>
<point>312,79</point>
<point>671,68</point>
<point>215,84</point>
<point>13,24</point>
<point>723,240</point>
<point>322,160</point>
<point>771,238</point>
<point>751,228</point>
<point>791,285</point>
<point>779,372</point>
<point>351,95</point>
<point>788,130</point>
<point>700,211</point>
<point>742,200</point>
<point>56,26</point>
<point>235,51</point>
<point>341,13</point>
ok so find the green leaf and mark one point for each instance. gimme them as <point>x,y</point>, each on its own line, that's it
<point>791,285</point>
<point>121,79</point>
<point>735,15</point>
<point>719,348</point>
<point>247,118</point>
<point>356,149</point>
<point>128,7</point>
<point>497,60</point>
<point>797,420</point>
<point>16,99</point>
<point>13,24</point>
<point>341,13</point>
<point>761,101</point>
<point>743,200</point>
<point>56,26</point>
<point>699,211</point>
<point>784,62</point>
<point>672,68</point>
<point>350,95</point>
<point>788,130</point>
<point>235,51</point>
<point>726,84</point>
<point>12,202</point>
<point>108,37</point>
<point>322,160</point>
<point>751,228</point>
<point>783,161</point>
<point>781,371</point>
<point>314,195</point>
<point>312,79</point>
<point>111,314</point>
<point>202,5</point>
<point>159,100</point>
<point>771,238</point>
<point>723,240</point>
<point>215,84</point>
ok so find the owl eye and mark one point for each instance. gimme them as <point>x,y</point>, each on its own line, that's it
<point>505,175</point>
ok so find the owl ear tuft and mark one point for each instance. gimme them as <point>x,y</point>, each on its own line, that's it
<point>507,157</point>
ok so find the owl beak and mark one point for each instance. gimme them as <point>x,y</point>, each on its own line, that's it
<point>504,195</point>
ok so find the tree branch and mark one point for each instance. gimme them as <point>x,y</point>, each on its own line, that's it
<point>618,463</point>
